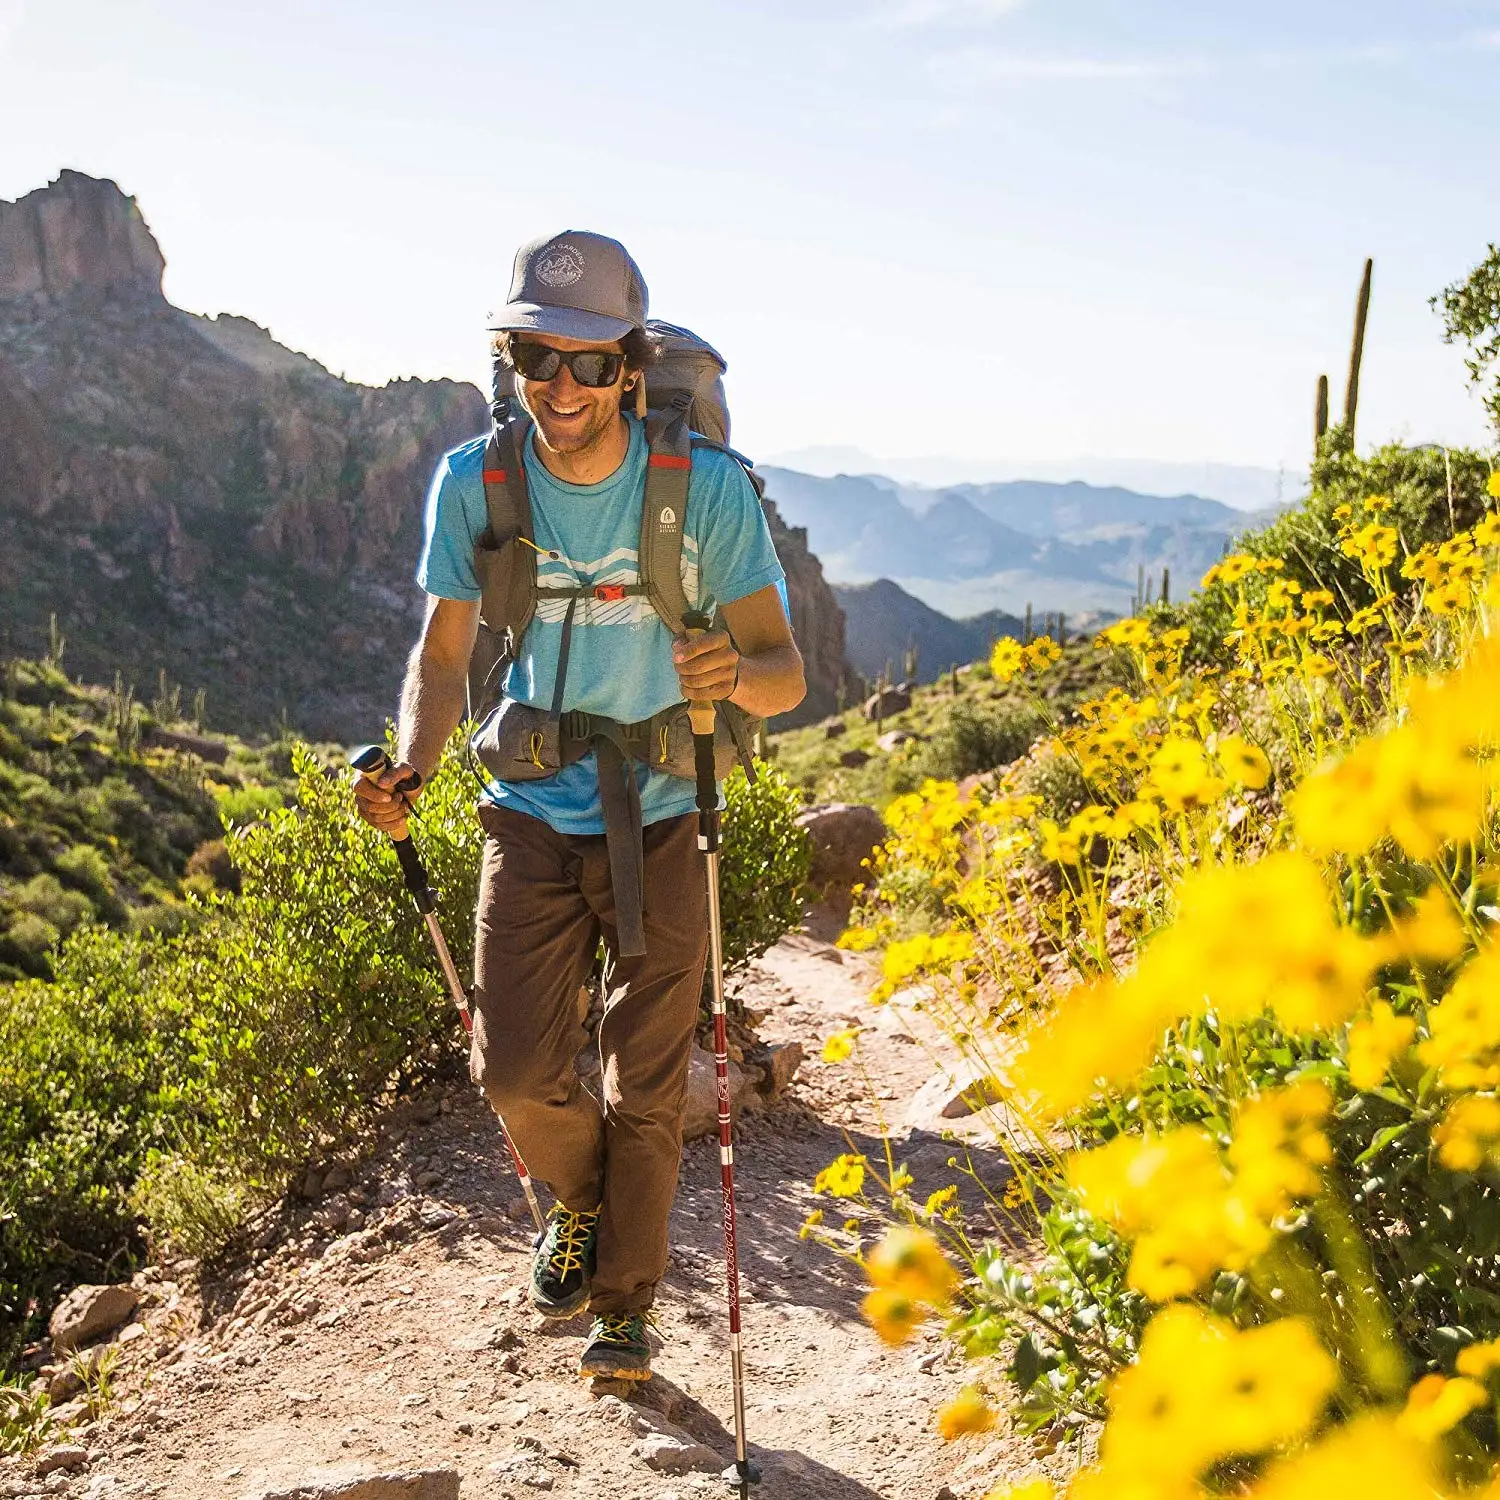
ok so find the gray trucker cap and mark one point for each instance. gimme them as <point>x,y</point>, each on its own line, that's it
<point>575,285</point>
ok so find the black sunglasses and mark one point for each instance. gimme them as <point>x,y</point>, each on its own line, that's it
<point>590,367</point>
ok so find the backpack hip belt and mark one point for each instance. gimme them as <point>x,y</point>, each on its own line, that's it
<point>517,742</point>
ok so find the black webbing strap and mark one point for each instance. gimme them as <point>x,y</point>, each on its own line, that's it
<point>624,840</point>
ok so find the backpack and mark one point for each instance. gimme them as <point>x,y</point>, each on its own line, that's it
<point>681,400</point>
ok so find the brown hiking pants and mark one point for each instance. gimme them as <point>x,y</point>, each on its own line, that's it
<point>544,902</point>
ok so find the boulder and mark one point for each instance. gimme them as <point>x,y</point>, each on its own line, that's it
<point>893,739</point>
<point>64,1459</point>
<point>833,728</point>
<point>89,1312</point>
<point>408,1484</point>
<point>782,1061</point>
<point>668,1454</point>
<point>843,835</point>
<point>952,1095</point>
<point>854,758</point>
<point>216,752</point>
<point>883,705</point>
<point>703,1094</point>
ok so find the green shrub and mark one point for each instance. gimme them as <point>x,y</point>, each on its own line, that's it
<point>31,938</point>
<point>1057,779</point>
<point>85,867</point>
<point>165,1084</point>
<point>44,896</point>
<point>90,1071</point>
<point>239,806</point>
<point>191,1207</point>
<point>763,866</point>
<point>977,737</point>
<point>212,861</point>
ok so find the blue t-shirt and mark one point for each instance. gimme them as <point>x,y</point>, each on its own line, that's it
<point>620,658</point>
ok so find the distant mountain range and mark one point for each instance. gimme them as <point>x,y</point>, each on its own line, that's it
<point>972,548</point>
<point>1243,486</point>
<point>882,622</point>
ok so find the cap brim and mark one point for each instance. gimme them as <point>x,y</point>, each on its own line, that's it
<point>563,322</point>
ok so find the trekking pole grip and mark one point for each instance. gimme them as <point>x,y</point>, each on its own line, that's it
<point>371,760</point>
<point>703,717</point>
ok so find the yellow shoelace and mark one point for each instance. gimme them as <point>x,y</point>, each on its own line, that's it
<point>619,1327</point>
<point>573,1231</point>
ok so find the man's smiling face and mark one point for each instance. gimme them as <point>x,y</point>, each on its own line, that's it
<point>570,418</point>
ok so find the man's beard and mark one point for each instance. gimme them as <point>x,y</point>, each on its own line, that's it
<point>572,438</point>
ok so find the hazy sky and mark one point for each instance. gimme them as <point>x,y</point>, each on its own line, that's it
<point>1023,228</point>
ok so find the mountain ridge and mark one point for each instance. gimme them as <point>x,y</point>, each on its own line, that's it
<point>971,547</point>
<point>186,495</point>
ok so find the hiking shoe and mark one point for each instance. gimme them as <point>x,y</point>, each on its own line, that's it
<point>563,1263</point>
<point>617,1349</point>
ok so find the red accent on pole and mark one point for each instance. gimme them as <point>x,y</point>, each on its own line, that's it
<point>669,461</point>
<point>494,476</point>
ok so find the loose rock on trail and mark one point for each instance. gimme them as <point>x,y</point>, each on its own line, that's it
<point>381,1334</point>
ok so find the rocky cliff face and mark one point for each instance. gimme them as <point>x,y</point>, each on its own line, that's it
<point>187,495</point>
<point>817,619</point>
<point>77,235</point>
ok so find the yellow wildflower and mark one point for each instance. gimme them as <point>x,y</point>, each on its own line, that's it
<point>1447,598</point>
<point>858,939</point>
<point>1487,532</point>
<point>1465,1042</point>
<point>893,1315</point>
<point>1101,1033</point>
<point>1180,772</point>
<point>1028,1489</point>
<point>1376,1042</point>
<point>1278,1148</point>
<point>840,1045</point>
<point>1062,846</point>
<point>1008,658</point>
<point>844,1177</point>
<point>1244,764</point>
<point>1343,512</point>
<point>1229,570</point>
<point>1042,653</point>
<point>1479,1361</point>
<point>1368,1456</point>
<point>1373,545</point>
<point>1308,967</point>
<point>1435,1404</point>
<point>910,1260</point>
<point>1492,485</point>
<point>1317,598</point>
<point>1201,1391</point>
<point>967,1412</point>
<point>1433,931</point>
<point>941,1201</point>
<point>1375,504</point>
<point>1469,1134</point>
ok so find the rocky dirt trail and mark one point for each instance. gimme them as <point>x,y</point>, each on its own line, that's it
<point>406,1344</point>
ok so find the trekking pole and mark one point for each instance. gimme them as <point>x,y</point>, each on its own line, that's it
<point>742,1473</point>
<point>371,761</point>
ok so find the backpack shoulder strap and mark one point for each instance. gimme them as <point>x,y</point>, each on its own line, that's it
<point>506,565</point>
<point>669,467</point>
<point>756,482</point>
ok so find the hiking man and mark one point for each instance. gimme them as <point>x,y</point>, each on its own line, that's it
<point>586,838</point>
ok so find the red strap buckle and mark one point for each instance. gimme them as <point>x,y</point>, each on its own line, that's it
<point>610,593</point>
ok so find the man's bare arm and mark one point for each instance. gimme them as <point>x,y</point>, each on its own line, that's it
<point>432,704</point>
<point>437,674</point>
<point>759,669</point>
